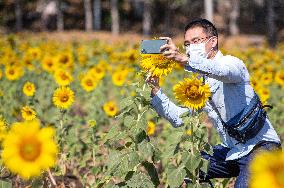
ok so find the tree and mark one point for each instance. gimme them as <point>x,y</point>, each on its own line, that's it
<point>19,14</point>
<point>97,14</point>
<point>234,15</point>
<point>114,17</point>
<point>60,18</point>
<point>147,19</point>
<point>88,15</point>
<point>271,29</point>
<point>208,6</point>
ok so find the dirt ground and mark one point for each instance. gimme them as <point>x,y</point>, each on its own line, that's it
<point>226,42</point>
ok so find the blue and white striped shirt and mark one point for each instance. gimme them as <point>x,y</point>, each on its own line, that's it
<point>231,91</point>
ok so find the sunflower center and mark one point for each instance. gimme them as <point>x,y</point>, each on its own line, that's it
<point>111,108</point>
<point>64,59</point>
<point>192,91</point>
<point>29,87</point>
<point>64,77</point>
<point>11,72</point>
<point>89,83</point>
<point>28,62</point>
<point>28,112</point>
<point>278,172</point>
<point>64,98</point>
<point>49,63</point>
<point>119,77</point>
<point>30,149</point>
<point>98,70</point>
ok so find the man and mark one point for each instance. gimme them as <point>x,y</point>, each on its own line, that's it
<point>231,92</point>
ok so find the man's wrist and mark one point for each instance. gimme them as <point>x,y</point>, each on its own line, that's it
<point>182,59</point>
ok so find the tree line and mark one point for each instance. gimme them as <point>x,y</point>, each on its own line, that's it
<point>148,17</point>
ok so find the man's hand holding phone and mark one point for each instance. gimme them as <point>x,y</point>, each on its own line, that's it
<point>170,51</point>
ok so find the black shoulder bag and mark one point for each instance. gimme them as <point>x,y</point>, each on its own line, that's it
<point>247,123</point>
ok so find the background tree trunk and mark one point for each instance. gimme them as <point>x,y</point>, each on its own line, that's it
<point>88,15</point>
<point>271,28</point>
<point>208,6</point>
<point>97,14</point>
<point>168,15</point>
<point>60,18</point>
<point>114,17</point>
<point>147,18</point>
<point>234,16</point>
<point>19,14</point>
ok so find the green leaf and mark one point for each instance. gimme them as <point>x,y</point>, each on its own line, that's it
<point>175,176</point>
<point>140,180</point>
<point>146,149</point>
<point>5,184</point>
<point>205,165</point>
<point>129,121</point>
<point>120,164</point>
<point>112,133</point>
<point>126,102</point>
<point>193,162</point>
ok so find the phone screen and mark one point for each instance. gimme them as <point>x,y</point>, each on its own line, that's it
<point>152,46</point>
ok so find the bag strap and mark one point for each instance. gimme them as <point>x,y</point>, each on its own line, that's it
<point>217,111</point>
<point>213,104</point>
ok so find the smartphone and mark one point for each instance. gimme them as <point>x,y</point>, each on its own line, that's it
<point>152,46</point>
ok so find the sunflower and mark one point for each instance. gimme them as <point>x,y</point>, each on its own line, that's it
<point>65,60</point>
<point>13,72</point>
<point>29,150</point>
<point>62,78</point>
<point>151,126</point>
<point>264,94</point>
<point>82,59</point>
<point>28,113</point>
<point>98,72</point>
<point>157,64</point>
<point>191,93</point>
<point>48,64</point>
<point>63,97</point>
<point>119,77</point>
<point>110,108</point>
<point>28,62</point>
<point>88,83</point>
<point>29,89</point>
<point>279,78</point>
<point>254,83</point>
<point>266,78</point>
<point>34,53</point>
<point>267,170</point>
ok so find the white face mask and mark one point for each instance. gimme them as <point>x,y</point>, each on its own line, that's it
<point>197,49</point>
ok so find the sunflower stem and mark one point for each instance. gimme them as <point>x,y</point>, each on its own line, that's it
<point>51,177</point>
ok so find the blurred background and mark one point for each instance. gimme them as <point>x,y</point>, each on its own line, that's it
<point>149,18</point>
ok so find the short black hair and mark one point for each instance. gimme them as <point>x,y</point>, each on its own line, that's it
<point>207,26</point>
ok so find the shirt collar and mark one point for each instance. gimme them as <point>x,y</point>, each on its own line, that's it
<point>218,55</point>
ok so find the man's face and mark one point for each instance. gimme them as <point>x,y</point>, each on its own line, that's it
<point>196,35</point>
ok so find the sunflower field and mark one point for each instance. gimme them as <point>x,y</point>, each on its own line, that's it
<point>78,114</point>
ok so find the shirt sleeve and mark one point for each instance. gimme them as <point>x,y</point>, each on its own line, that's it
<point>227,69</point>
<point>167,109</point>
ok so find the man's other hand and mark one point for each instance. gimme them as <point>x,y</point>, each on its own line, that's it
<point>153,82</point>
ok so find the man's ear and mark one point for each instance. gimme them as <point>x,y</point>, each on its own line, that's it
<point>215,42</point>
